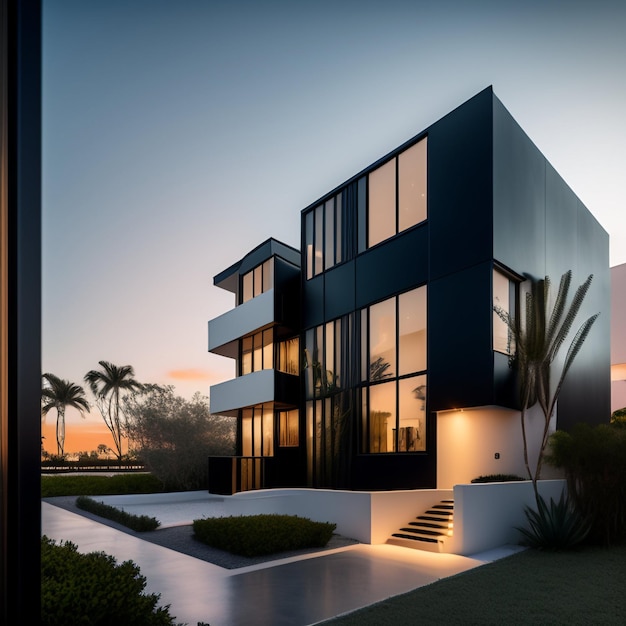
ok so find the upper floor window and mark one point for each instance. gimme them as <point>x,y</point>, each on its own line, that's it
<point>397,196</point>
<point>393,365</point>
<point>322,236</point>
<point>258,281</point>
<point>504,298</point>
<point>257,352</point>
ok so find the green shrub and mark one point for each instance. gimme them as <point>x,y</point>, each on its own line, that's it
<point>498,478</point>
<point>557,527</point>
<point>594,462</point>
<point>256,535</point>
<point>93,589</point>
<point>140,523</point>
<point>96,485</point>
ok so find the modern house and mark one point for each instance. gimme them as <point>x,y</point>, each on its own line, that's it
<point>371,359</point>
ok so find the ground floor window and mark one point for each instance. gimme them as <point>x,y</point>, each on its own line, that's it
<point>393,416</point>
<point>257,431</point>
<point>288,429</point>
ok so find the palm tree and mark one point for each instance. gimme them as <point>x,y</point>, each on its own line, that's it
<point>58,394</point>
<point>537,342</point>
<point>106,384</point>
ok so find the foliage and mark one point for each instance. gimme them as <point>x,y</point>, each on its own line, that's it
<point>538,339</point>
<point>79,589</point>
<point>174,436</point>
<point>619,416</point>
<point>256,535</point>
<point>140,523</point>
<point>106,385</point>
<point>594,462</point>
<point>497,478</point>
<point>97,485</point>
<point>57,393</point>
<point>555,527</point>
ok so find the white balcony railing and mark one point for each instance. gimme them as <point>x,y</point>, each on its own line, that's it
<point>240,321</point>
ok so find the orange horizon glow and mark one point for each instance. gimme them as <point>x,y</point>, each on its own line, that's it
<point>78,437</point>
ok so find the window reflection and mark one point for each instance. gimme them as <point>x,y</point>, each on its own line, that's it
<point>394,392</point>
<point>503,300</point>
<point>258,280</point>
<point>412,186</point>
<point>288,428</point>
<point>382,203</point>
<point>412,414</point>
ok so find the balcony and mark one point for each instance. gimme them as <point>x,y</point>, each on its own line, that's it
<point>253,389</point>
<point>225,330</point>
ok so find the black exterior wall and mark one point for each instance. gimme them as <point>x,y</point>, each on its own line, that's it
<point>542,229</point>
<point>493,199</point>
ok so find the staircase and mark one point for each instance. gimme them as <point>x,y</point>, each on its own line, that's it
<point>428,531</point>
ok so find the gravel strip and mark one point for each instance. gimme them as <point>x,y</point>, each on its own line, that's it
<point>181,539</point>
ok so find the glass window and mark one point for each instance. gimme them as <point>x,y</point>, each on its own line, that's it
<point>268,430</point>
<point>382,417</point>
<point>308,243</point>
<point>268,349</point>
<point>412,414</point>
<point>362,214</point>
<point>382,203</point>
<point>329,219</point>
<point>258,280</point>
<point>412,331</point>
<point>382,340</point>
<point>247,287</point>
<point>288,356</point>
<point>246,432</point>
<point>319,240</point>
<point>246,356</point>
<point>393,412</point>
<point>268,274</point>
<point>338,253</point>
<point>502,340</point>
<point>412,186</point>
<point>288,428</point>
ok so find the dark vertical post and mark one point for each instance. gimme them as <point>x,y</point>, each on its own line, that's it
<point>20,311</point>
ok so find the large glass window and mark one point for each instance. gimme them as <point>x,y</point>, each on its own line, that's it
<point>288,428</point>
<point>397,195</point>
<point>288,358</point>
<point>257,352</point>
<point>382,203</point>
<point>322,236</point>
<point>393,350</point>
<point>257,430</point>
<point>258,280</point>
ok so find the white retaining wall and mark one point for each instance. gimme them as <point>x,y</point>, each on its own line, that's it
<point>485,515</point>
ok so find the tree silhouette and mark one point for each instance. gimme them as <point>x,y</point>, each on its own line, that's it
<point>58,394</point>
<point>537,342</point>
<point>106,384</point>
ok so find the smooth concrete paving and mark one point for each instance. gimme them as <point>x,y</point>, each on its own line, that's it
<point>298,591</point>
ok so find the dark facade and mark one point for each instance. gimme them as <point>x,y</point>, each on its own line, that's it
<point>400,269</point>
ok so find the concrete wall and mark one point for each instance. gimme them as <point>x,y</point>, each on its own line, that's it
<point>468,441</point>
<point>369,517</point>
<point>486,515</point>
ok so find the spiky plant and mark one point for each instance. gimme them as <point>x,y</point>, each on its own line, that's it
<point>106,385</point>
<point>538,340</point>
<point>57,393</point>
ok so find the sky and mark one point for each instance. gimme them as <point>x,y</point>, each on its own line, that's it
<point>177,136</point>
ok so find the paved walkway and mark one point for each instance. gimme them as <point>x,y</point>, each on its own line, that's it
<point>298,591</point>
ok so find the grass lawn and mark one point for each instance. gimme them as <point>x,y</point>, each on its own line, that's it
<point>531,587</point>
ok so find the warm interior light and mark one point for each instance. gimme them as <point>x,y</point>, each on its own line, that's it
<point>618,371</point>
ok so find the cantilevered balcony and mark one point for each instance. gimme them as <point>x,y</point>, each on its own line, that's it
<point>252,389</point>
<point>225,330</point>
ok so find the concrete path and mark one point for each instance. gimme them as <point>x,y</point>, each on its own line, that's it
<point>298,591</point>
